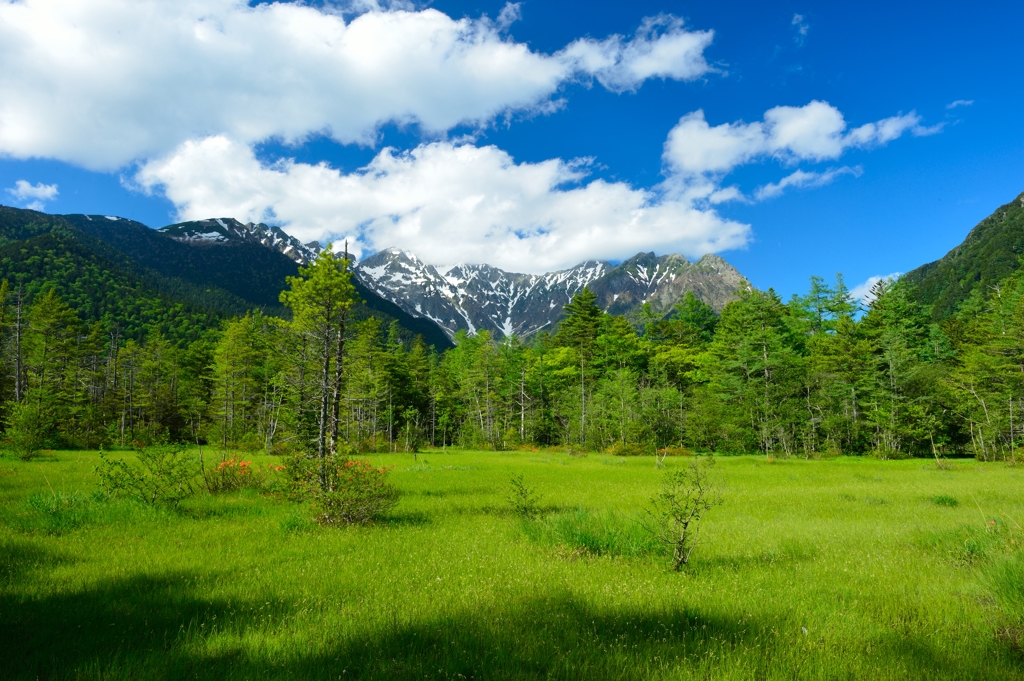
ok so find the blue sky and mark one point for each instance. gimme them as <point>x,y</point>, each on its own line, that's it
<point>532,138</point>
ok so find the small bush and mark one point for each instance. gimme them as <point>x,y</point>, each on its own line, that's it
<point>29,430</point>
<point>631,449</point>
<point>945,500</point>
<point>163,474</point>
<point>678,510</point>
<point>356,492</point>
<point>522,499</point>
<point>234,474</point>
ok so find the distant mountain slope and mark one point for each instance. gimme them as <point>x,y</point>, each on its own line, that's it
<point>100,283</point>
<point>154,275</point>
<point>249,262</point>
<point>253,274</point>
<point>478,297</point>
<point>991,251</point>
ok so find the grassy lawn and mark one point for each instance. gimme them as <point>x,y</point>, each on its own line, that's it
<point>833,569</point>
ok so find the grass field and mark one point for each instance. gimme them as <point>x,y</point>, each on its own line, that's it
<point>833,569</point>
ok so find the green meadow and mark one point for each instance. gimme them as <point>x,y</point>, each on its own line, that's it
<point>843,568</point>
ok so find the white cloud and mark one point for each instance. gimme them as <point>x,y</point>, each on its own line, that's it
<point>804,179</point>
<point>445,202</point>
<point>814,132</point>
<point>455,202</point>
<point>960,102</point>
<point>661,48</point>
<point>101,83</point>
<point>23,190</point>
<point>862,292</point>
<point>36,194</point>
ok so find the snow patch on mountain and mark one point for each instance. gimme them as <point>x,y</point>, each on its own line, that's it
<point>225,231</point>
<point>481,297</point>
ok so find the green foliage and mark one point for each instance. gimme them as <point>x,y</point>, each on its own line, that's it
<point>161,474</point>
<point>356,493</point>
<point>630,449</point>
<point>945,500</point>
<point>101,286</point>
<point>687,494</point>
<point>1006,580</point>
<point>522,499</point>
<point>100,348</point>
<point>29,429</point>
<point>234,473</point>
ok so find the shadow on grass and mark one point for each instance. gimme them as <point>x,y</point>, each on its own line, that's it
<point>136,627</point>
<point>157,627</point>
<point>18,558</point>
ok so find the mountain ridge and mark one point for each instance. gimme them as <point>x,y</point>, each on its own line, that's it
<point>990,252</point>
<point>478,297</point>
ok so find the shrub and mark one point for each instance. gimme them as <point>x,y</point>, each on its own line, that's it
<point>675,451</point>
<point>678,510</point>
<point>163,474</point>
<point>631,449</point>
<point>356,492</point>
<point>522,499</point>
<point>29,429</point>
<point>234,474</point>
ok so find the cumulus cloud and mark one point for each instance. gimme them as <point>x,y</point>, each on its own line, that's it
<point>863,292</point>
<point>805,179</point>
<point>814,132</point>
<point>455,202</point>
<point>445,202</point>
<point>101,83</point>
<point>35,194</point>
<point>960,102</point>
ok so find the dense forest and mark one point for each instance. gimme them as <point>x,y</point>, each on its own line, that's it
<point>813,376</point>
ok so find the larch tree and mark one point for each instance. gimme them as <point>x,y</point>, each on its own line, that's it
<point>320,298</point>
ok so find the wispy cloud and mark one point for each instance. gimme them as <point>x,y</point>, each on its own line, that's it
<point>802,178</point>
<point>36,194</point>
<point>802,27</point>
<point>959,103</point>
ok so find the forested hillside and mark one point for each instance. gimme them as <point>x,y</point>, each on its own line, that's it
<point>101,284</point>
<point>991,252</point>
<point>136,280</point>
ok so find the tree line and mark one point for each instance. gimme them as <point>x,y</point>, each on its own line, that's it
<point>817,375</point>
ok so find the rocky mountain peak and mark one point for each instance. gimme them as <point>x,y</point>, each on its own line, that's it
<point>225,231</point>
<point>482,297</point>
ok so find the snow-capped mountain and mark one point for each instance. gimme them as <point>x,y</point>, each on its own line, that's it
<point>224,230</point>
<point>481,297</point>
